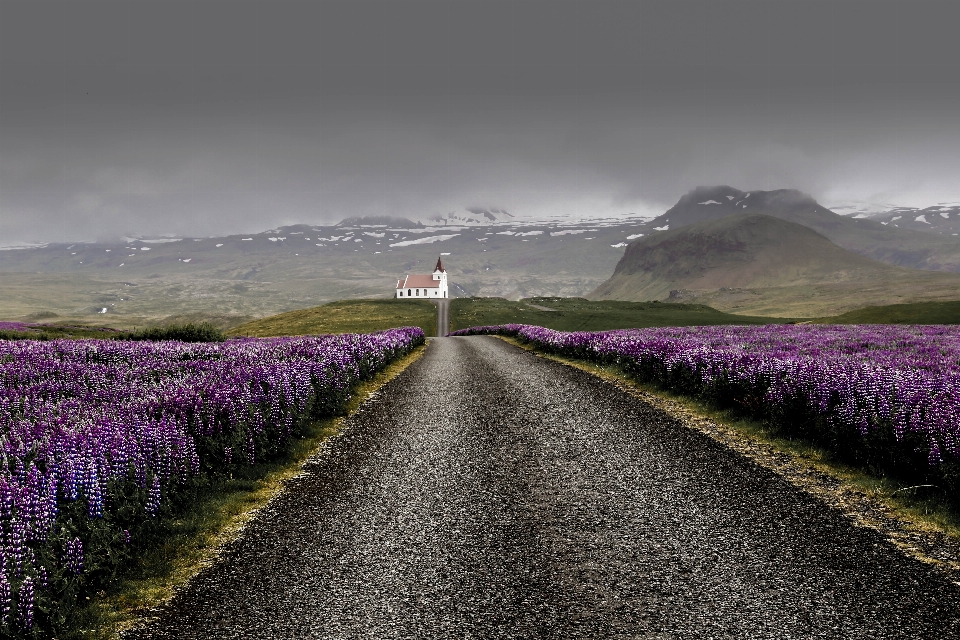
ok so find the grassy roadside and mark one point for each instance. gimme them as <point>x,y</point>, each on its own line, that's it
<point>916,519</point>
<point>580,314</point>
<point>912,313</point>
<point>345,316</point>
<point>210,523</point>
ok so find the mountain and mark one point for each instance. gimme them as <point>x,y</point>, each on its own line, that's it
<point>877,239</point>
<point>711,203</point>
<point>136,281</point>
<point>943,219</point>
<point>380,221</point>
<point>757,263</point>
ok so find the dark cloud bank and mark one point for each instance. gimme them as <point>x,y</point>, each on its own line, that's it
<point>209,117</point>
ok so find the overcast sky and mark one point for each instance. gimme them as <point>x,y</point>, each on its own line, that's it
<point>211,117</point>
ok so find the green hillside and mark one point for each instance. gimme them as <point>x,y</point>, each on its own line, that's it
<point>916,313</point>
<point>345,316</point>
<point>579,314</point>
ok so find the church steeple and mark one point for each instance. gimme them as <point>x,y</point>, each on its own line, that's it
<point>439,266</point>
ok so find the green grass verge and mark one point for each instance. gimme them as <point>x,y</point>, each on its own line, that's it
<point>920,509</point>
<point>196,535</point>
<point>580,314</point>
<point>914,313</point>
<point>186,332</point>
<point>56,332</point>
<point>345,316</point>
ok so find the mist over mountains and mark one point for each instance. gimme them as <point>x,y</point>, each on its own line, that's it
<point>489,252</point>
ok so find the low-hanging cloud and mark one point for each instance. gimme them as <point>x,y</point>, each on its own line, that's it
<point>158,121</point>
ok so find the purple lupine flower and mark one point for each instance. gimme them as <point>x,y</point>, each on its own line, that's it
<point>153,496</point>
<point>5,599</point>
<point>77,415</point>
<point>25,604</point>
<point>73,556</point>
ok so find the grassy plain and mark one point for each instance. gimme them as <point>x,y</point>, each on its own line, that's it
<point>915,313</point>
<point>580,314</point>
<point>562,314</point>
<point>55,332</point>
<point>345,316</point>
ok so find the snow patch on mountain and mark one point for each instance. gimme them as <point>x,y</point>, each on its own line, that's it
<point>428,240</point>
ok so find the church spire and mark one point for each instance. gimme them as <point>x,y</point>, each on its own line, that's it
<point>439,266</point>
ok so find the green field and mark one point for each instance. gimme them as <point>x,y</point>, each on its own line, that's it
<point>579,314</point>
<point>565,314</point>
<point>56,332</point>
<point>345,316</point>
<point>562,314</point>
<point>915,313</point>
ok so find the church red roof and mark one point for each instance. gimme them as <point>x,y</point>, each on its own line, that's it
<point>418,281</point>
<point>422,280</point>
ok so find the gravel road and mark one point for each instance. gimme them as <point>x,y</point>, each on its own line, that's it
<point>443,316</point>
<point>488,493</point>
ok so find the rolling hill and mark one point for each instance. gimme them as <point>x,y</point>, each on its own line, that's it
<point>345,316</point>
<point>580,314</point>
<point>759,264</point>
<point>914,313</point>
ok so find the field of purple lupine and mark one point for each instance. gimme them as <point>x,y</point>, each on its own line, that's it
<point>102,440</point>
<point>885,396</point>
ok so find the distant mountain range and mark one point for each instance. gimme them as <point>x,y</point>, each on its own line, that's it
<point>380,221</point>
<point>232,278</point>
<point>943,219</point>
<point>487,251</point>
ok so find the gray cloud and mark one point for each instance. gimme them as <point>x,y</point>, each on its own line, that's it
<point>211,117</point>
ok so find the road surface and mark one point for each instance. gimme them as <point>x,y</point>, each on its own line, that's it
<point>443,316</point>
<point>488,493</point>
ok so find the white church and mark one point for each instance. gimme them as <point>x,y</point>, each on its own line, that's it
<point>424,285</point>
